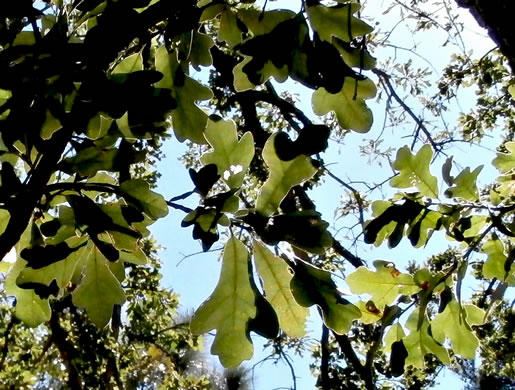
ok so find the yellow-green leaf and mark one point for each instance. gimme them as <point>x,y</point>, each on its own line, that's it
<point>99,290</point>
<point>231,156</point>
<point>419,343</point>
<point>505,162</point>
<point>242,82</point>
<point>260,23</point>
<point>129,64</point>
<point>414,171</point>
<point>188,120</point>
<point>313,286</point>
<point>338,21</point>
<point>276,277</point>
<point>384,285</point>
<point>150,202</point>
<point>452,324</point>
<point>282,177</point>
<point>30,308</point>
<point>464,185</point>
<point>5,216</point>
<point>229,308</point>
<point>395,333</point>
<point>348,104</point>
<point>229,30</point>
<point>494,265</point>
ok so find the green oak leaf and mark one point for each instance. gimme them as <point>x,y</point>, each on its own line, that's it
<point>505,162</point>
<point>414,171</point>
<point>150,202</point>
<point>420,343</point>
<point>90,160</point>
<point>229,30</point>
<point>420,230</point>
<point>242,82</point>
<point>51,125</point>
<point>313,286</point>
<point>282,177</point>
<point>129,64</point>
<point>99,125</point>
<point>494,267</point>
<point>30,308</point>
<point>338,21</point>
<point>211,11</point>
<point>229,308</point>
<point>231,156</point>
<point>261,23</point>
<point>188,120</point>
<point>276,277</point>
<point>60,271</point>
<point>5,216</point>
<point>370,314</point>
<point>395,333</point>
<point>454,325</point>
<point>353,56</point>
<point>464,185</point>
<point>200,54</point>
<point>99,290</point>
<point>348,104</point>
<point>384,285</point>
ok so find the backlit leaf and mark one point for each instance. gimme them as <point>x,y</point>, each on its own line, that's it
<point>313,286</point>
<point>395,333</point>
<point>414,171</point>
<point>276,279</point>
<point>338,21</point>
<point>494,267</point>
<point>229,30</point>
<point>384,285</point>
<point>30,308</point>
<point>150,202</point>
<point>348,105</point>
<point>505,162</point>
<point>452,324</point>
<point>229,308</point>
<point>464,186</point>
<point>420,343</point>
<point>231,156</point>
<point>129,64</point>
<point>282,177</point>
<point>188,120</point>
<point>99,290</point>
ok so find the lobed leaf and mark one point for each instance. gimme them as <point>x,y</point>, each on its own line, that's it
<point>420,342</point>
<point>276,277</point>
<point>313,286</point>
<point>283,175</point>
<point>384,285</point>
<point>505,162</point>
<point>452,324</point>
<point>231,156</point>
<point>337,21</point>
<point>348,105</point>
<point>414,171</point>
<point>99,289</point>
<point>229,308</point>
<point>188,120</point>
<point>464,185</point>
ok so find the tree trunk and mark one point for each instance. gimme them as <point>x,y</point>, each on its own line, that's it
<point>497,17</point>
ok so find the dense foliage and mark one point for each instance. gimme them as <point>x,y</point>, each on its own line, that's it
<point>88,91</point>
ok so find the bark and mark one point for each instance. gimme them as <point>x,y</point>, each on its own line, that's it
<point>497,17</point>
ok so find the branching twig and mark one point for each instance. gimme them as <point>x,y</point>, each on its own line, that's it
<point>384,79</point>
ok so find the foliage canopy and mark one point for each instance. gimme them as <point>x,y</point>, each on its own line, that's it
<point>88,91</point>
